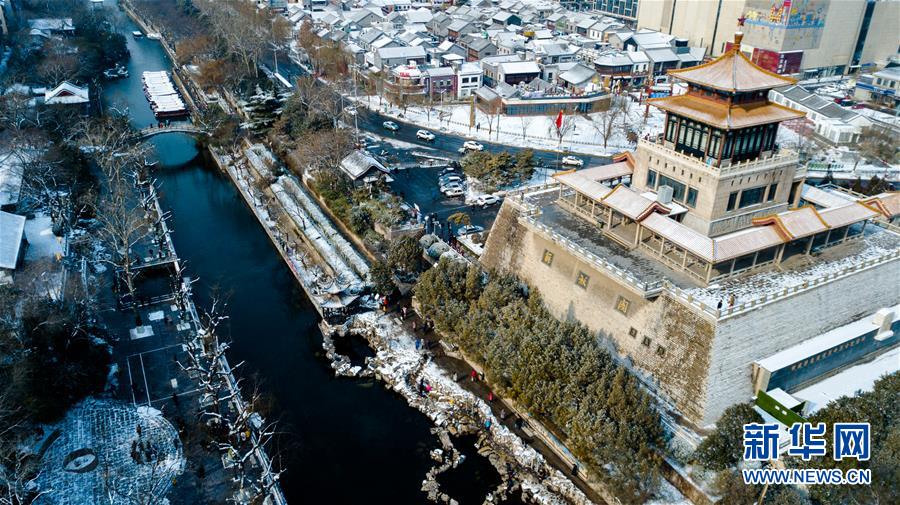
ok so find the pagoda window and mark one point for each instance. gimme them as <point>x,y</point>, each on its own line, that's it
<point>754,147</point>
<point>671,127</point>
<point>691,197</point>
<point>732,200</point>
<point>714,143</point>
<point>678,189</point>
<point>752,196</point>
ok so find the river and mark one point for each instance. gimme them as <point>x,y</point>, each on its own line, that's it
<point>346,441</point>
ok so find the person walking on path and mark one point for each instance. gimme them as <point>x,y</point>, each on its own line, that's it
<point>473,375</point>
<point>490,396</point>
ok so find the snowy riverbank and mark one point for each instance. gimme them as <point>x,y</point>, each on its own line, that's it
<point>403,368</point>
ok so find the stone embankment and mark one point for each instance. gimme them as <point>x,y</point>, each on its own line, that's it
<point>411,373</point>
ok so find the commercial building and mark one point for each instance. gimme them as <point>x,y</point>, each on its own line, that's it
<point>806,37</point>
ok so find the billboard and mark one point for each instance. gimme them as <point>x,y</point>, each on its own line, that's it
<point>785,25</point>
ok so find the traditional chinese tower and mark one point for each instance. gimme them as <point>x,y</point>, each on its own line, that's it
<point>718,151</point>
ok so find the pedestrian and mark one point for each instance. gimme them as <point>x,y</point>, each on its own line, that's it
<point>482,376</point>
<point>138,429</point>
<point>418,343</point>
<point>473,375</point>
<point>414,325</point>
<point>427,388</point>
<point>731,300</point>
<point>575,469</point>
<point>502,414</point>
<point>175,398</point>
<point>403,311</point>
<point>487,424</point>
<point>719,305</point>
<point>490,396</point>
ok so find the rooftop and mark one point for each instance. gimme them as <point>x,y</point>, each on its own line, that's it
<point>721,116</point>
<point>750,289</point>
<point>12,228</point>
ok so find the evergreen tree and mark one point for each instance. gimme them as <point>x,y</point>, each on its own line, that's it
<point>382,278</point>
<point>723,448</point>
<point>405,254</point>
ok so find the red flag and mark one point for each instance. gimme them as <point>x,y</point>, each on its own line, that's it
<point>559,120</point>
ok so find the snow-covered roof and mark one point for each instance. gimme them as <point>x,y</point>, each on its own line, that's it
<point>52,24</point>
<point>520,67</point>
<point>823,342</point>
<point>850,381</point>
<point>12,228</point>
<point>578,74</point>
<point>401,52</point>
<point>835,217</point>
<point>886,203</point>
<point>648,39</point>
<point>824,197</point>
<point>66,93</point>
<point>613,59</point>
<point>630,203</point>
<point>358,163</point>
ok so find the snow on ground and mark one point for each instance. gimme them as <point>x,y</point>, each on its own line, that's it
<point>525,131</point>
<point>851,381</point>
<point>399,363</point>
<point>94,461</point>
<point>310,216</point>
<point>305,271</point>
<point>44,252</point>
<point>42,243</point>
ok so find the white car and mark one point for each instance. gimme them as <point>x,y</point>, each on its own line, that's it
<point>471,145</point>
<point>454,191</point>
<point>469,229</point>
<point>390,125</point>
<point>572,161</point>
<point>425,135</point>
<point>350,110</point>
<point>451,185</point>
<point>485,201</point>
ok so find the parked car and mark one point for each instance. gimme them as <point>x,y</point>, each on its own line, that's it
<point>451,186</point>
<point>425,135</point>
<point>390,125</point>
<point>485,201</point>
<point>350,110</point>
<point>454,191</point>
<point>447,171</point>
<point>446,179</point>
<point>471,145</point>
<point>572,161</point>
<point>469,229</point>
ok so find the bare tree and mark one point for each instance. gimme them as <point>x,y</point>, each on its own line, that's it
<point>605,122</point>
<point>525,122</point>
<point>125,210</point>
<point>565,127</point>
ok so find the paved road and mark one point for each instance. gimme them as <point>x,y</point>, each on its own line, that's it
<point>449,143</point>
<point>415,184</point>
